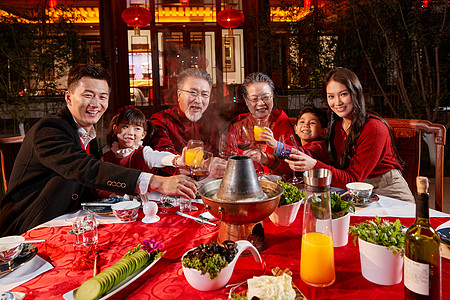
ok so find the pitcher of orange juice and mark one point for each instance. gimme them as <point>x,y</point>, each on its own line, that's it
<point>317,252</point>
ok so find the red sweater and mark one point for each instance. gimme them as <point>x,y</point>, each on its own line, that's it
<point>374,154</point>
<point>173,130</point>
<point>133,161</point>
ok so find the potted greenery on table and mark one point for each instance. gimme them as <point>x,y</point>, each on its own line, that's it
<point>290,202</point>
<point>340,212</point>
<point>381,245</point>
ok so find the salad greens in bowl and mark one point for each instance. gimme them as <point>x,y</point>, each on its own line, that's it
<point>291,194</point>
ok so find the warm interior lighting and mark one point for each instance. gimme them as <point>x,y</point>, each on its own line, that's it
<point>89,15</point>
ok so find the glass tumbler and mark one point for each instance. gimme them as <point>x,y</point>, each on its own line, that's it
<point>317,252</point>
<point>90,233</point>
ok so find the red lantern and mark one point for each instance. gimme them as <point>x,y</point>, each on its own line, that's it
<point>184,3</point>
<point>136,16</point>
<point>230,18</point>
<point>52,3</point>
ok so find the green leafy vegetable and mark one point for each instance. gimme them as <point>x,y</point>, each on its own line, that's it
<point>339,207</point>
<point>380,232</point>
<point>291,194</point>
<point>211,265</point>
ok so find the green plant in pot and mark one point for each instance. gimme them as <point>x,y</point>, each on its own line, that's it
<point>381,245</point>
<point>340,213</point>
<point>339,207</point>
<point>289,204</point>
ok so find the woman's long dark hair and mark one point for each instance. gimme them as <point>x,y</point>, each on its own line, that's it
<point>359,115</point>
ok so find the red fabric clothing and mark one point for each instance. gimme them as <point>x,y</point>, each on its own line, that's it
<point>173,130</point>
<point>374,154</point>
<point>278,122</point>
<point>133,161</point>
<point>317,149</point>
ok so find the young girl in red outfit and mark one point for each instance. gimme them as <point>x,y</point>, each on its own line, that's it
<point>361,143</point>
<point>126,132</point>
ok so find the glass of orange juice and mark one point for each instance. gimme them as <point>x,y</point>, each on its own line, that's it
<point>317,252</point>
<point>258,127</point>
<point>191,149</point>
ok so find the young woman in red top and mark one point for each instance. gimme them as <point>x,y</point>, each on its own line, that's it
<point>361,143</point>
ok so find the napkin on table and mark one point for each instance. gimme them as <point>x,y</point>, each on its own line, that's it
<point>28,271</point>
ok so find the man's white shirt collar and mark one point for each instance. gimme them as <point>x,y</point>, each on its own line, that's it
<point>86,137</point>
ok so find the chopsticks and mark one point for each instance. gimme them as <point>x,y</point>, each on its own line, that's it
<point>34,241</point>
<point>95,266</point>
<point>194,218</point>
<point>97,204</point>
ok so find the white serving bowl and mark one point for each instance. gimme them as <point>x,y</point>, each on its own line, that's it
<point>360,190</point>
<point>126,211</point>
<point>284,215</point>
<point>10,247</point>
<point>204,283</point>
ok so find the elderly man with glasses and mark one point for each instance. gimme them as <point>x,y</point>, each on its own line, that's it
<point>174,127</point>
<point>258,91</point>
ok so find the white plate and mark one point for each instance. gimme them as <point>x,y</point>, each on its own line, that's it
<point>71,295</point>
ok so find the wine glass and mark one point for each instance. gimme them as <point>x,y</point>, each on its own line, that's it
<point>199,169</point>
<point>227,145</point>
<point>191,149</point>
<point>77,230</point>
<point>244,138</point>
<point>163,200</point>
<point>289,145</point>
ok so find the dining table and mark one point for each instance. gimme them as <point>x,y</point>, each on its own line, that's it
<point>165,280</point>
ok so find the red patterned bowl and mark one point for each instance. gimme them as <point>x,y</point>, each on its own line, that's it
<point>10,247</point>
<point>126,211</point>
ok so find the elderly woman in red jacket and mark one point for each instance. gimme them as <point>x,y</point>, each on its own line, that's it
<point>258,91</point>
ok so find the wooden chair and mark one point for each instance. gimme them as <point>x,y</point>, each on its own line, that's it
<point>407,134</point>
<point>9,147</point>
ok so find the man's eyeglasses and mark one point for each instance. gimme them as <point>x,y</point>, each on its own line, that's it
<point>265,98</point>
<point>194,94</point>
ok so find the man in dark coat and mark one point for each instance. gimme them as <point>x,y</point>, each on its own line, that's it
<point>54,171</point>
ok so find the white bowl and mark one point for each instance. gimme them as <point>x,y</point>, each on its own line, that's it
<point>204,283</point>
<point>379,264</point>
<point>360,190</point>
<point>126,211</point>
<point>284,215</point>
<point>10,247</point>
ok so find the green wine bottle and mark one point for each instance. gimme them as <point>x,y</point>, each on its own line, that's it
<point>422,260</point>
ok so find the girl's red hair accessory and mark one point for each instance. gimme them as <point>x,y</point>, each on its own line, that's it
<point>127,107</point>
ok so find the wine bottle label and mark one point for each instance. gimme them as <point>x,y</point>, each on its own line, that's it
<point>416,276</point>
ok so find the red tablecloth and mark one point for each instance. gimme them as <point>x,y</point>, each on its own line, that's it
<point>166,280</point>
